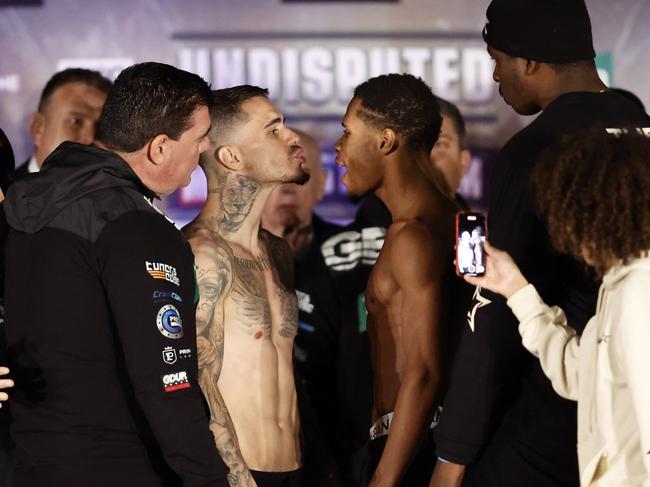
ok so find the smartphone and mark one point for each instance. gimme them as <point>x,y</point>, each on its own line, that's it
<point>471,232</point>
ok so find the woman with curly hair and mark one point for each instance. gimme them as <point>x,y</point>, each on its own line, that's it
<point>594,193</point>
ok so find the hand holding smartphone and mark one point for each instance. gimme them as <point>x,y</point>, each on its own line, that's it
<point>471,233</point>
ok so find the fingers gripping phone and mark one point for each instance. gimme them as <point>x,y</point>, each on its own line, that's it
<point>471,232</point>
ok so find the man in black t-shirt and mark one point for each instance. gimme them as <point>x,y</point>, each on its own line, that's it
<point>502,423</point>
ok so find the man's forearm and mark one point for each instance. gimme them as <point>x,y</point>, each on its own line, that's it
<point>223,430</point>
<point>225,437</point>
<point>411,420</point>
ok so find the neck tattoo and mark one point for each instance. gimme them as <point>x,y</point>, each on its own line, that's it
<point>236,195</point>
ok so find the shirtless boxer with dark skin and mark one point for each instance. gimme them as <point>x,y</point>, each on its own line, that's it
<point>247,314</point>
<point>390,127</point>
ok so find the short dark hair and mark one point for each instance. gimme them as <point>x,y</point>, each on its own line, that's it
<point>403,103</point>
<point>149,99</point>
<point>73,75</point>
<point>592,190</point>
<point>227,103</point>
<point>448,109</point>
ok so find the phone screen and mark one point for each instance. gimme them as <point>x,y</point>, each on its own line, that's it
<point>471,232</point>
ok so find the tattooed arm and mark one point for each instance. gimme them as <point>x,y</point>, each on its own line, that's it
<point>214,270</point>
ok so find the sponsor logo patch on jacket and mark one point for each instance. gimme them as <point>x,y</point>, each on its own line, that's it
<point>160,270</point>
<point>169,355</point>
<point>169,322</point>
<point>175,381</point>
<point>166,295</point>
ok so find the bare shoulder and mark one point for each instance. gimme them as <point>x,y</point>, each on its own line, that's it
<point>420,238</point>
<point>207,244</point>
<point>214,265</point>
<point>418,252</point>
<point>197,232</point>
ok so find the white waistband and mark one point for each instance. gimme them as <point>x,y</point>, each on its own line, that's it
<point>382,425</point>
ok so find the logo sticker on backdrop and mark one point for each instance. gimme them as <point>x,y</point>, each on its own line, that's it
<point>185,353</point>
<point>169,355</point>
<point>162,271</point>
<point>169,322</point>
<point>175,381</point>
<point>317,72</point>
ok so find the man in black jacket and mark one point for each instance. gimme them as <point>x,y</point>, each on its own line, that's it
<point>101,299</point>
<point>502,423</point>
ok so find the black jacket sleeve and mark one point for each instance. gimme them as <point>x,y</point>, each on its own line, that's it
<point>148,275</point>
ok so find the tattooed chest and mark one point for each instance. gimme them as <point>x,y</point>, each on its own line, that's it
<point>287,305</point>
<point>262,305</point>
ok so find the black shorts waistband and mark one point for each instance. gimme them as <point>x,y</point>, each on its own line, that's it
<point>277,479</point>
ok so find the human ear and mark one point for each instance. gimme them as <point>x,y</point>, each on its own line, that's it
<point>531,67</point>
<point>228,157</point>
<point>387,141</point>
<point>36,127</point>
<point>159,149</point>
<point>465,158</point>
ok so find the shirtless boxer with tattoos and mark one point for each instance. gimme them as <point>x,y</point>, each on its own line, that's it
<point>247,314</point>
<point>389,129</point>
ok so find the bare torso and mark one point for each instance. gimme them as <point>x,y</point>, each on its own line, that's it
<point>259,316</point>
<point>384,302</point>
<point>256,381</point>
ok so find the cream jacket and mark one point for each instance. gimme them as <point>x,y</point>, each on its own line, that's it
<point>607,370</point>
